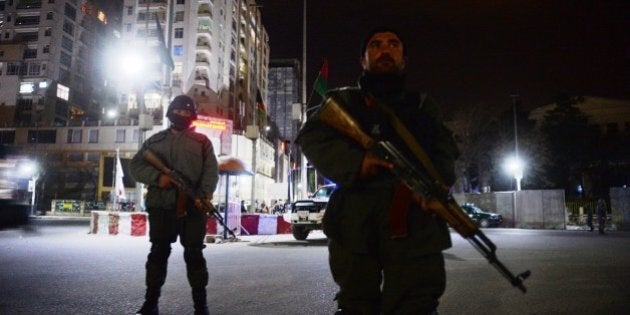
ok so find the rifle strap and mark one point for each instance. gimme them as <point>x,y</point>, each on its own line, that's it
<point>408,138</point>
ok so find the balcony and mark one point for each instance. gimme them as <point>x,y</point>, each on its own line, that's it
<point>202,80</point>
<point>29,4</point>
<point>204,30</point>
<point>204,14</point>
<point>203,46</point>
<point>202,63</point>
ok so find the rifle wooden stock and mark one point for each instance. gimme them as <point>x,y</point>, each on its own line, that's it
<point>156,162</point>
<point>334,115</point>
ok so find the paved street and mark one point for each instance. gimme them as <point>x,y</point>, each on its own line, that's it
<point>60,269</point>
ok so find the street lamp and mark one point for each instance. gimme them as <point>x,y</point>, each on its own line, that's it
<point>112,113</point>
<point>514,166</point>
<point>128,68</point>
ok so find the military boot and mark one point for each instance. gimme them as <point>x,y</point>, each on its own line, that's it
<point>150,305</point>
<point>149,308</point>
<point>200,300</point>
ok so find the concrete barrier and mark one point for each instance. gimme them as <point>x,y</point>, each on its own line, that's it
<point>136,224</point>
<point>114,223</point>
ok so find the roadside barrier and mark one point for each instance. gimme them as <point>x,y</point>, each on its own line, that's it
<point>136,224</point>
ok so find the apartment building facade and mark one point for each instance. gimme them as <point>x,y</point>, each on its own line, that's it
<point>219,51</point>
<point>50,72</point>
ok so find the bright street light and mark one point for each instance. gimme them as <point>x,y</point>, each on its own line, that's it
<point>514,166</point>
<point>112,113</point>
<point>127,65</point>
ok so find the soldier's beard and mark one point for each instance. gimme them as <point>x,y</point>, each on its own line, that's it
<point>383,84</point>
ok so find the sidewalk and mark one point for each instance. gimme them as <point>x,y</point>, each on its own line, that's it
<point>59,220</point>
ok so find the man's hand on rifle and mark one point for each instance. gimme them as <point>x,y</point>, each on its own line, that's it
<point>203,204</point>
<point>371,165</point>
<point>429,204</point>
<point>167,182</point>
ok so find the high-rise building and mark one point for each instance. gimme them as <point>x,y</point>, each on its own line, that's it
<point>284,93</point>
<point>50,72</point>
<point>219,52</point>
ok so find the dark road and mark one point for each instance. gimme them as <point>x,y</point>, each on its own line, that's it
<point>64,270</point>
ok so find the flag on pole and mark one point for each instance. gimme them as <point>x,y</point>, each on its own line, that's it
<point>163,50</point>
<point>262,111</point>
<point>119,185</point>
<point>321,82</point>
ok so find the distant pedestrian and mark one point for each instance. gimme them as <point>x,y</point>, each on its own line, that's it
<point>243,209</point>
<point>589,217</point>
<point>601,215</point>
<point>264,208</point>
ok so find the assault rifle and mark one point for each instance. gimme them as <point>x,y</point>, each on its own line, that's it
<point>186,189</point>
<point>420,182</point>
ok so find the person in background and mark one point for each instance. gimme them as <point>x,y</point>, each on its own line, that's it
<point>385,249</point>
<point>601,215</point>
<point>589,217</point>
<point>171,214</point>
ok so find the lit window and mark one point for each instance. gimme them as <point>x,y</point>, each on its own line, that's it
<point>63,92</point>
<point>178,50</point>
<point>27,87</point>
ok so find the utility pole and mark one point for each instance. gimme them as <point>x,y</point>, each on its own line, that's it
<point>514,97</point>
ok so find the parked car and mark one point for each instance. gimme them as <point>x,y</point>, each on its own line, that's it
<point>483,218</point>
<point>306,215</point>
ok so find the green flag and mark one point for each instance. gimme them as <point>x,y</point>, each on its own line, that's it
<point>321,82</point>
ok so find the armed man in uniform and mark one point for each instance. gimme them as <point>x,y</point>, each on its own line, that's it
<point>171,213</point>
<point>385,249</point>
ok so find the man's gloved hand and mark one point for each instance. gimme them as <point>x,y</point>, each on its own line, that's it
<point>166,182</point>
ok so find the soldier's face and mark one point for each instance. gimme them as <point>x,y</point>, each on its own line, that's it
<point>182,112</point>
<point>383,54</point>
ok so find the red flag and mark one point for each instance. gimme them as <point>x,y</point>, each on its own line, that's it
<point>262,111</point>
<point>259,101</point>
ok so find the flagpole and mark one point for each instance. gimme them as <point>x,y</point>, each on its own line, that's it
<point>114,192</point>
<point>303,170</point>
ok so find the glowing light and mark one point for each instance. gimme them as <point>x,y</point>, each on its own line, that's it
<point>212,124</point>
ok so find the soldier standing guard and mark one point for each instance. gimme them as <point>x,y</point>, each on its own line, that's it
<point>171,214</point>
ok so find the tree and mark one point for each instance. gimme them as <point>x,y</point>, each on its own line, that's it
<point>571,142</point>
<point>485,137</point>
<point>472,127</point>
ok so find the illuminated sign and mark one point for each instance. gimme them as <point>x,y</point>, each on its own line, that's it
<point>216,128</point>
<point>211,123</point>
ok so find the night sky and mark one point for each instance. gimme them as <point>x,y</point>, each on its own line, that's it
<point>469,52</point>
